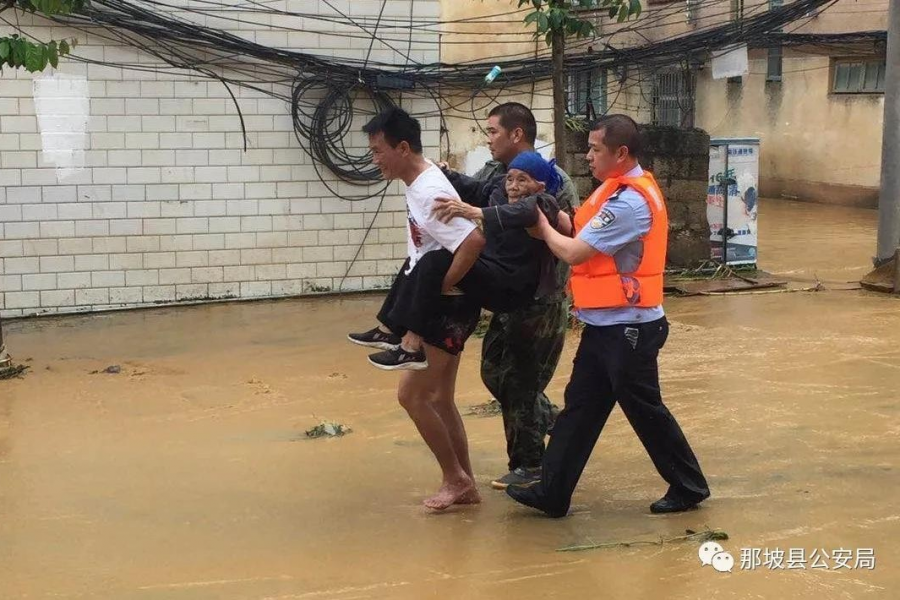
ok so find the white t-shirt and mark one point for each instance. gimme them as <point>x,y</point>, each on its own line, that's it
<point>426,232</point>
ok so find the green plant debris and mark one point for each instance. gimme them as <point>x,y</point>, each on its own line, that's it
<point>328,429</point>
<point>483,322</point>
<point>488,409</point>
<point>12,371</point>
<point>689,536</point>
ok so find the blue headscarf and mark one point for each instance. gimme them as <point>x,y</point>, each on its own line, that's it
<point>543,171</point>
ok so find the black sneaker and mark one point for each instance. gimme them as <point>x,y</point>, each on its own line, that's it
<point>519,476</point>
<point>399,359</point>
<point>376,338</point>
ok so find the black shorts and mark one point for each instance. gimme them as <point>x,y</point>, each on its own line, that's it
<point>445,322</point>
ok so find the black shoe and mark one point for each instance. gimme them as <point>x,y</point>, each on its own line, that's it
<point>669,504</point>
<point>529,497</point>
<point>399,360</point>
<point>519,476</point>
<point>375,338</point>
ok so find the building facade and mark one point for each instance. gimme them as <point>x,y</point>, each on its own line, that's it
<point>807,104</point>
<point>151,198</point>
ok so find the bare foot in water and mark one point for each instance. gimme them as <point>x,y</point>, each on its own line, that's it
<point>472,497</point>
<point>450,494</point>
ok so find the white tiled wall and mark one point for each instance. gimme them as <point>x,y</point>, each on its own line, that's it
<point>169,207</point>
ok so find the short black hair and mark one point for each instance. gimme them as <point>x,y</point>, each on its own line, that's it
<point>397,126</point>
<point>512,115</point>
<point>620,130</point>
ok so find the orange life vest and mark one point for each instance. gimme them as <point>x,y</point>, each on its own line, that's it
<point>597,282</point>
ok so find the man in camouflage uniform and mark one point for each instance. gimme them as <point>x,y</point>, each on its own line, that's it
<point>521,349</point>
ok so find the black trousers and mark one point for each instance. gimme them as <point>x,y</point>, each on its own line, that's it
<point>617,363</point>
<point>414,301</point>
<point>415,297</point>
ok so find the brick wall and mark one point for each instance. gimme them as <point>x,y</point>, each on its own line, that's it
<point>168,206</point>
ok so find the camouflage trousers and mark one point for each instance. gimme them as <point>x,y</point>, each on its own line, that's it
<point>519,356</point>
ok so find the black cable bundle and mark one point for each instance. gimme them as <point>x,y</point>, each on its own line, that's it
<point>324,91</point>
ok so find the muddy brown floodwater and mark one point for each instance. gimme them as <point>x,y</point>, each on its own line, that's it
<point>186,475</point>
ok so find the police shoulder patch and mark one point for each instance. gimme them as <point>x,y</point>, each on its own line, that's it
<point>603,219</point>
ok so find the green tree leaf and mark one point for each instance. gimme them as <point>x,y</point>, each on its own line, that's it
<point>35,56</point>
<point>19,50</point>
<point>557,19</point>
<point>635,8</point>
<point>53,54</point>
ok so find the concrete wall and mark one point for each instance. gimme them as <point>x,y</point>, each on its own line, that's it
<point>679,159</point>
<point>815,145</point>
<point>168,207</point>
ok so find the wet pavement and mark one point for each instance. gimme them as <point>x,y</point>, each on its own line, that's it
<point>187,475</point>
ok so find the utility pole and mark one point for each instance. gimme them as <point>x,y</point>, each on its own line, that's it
<point>889,199</point>
<point>558,54</point>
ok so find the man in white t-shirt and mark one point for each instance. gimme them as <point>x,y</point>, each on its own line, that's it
<point>427,394</point>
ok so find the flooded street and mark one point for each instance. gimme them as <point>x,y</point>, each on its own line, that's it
<point>187,475</point>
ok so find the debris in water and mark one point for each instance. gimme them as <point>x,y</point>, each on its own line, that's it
<point>483,322</point>
<point>488,409</point>
<point>328,429</point>
<point>13,371</point>
<point>706,535</point>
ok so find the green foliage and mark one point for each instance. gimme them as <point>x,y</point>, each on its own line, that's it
<point>328,429</point>
<point>19,52</point>
<point>553,16</point>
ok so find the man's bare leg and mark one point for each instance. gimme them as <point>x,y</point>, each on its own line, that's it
<point>411,342</point>
<point>445,405</point>
<point>417,392</point>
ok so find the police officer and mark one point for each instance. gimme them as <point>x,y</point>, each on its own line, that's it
<point>617,246</point>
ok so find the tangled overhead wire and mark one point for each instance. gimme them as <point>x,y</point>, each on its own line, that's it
<point>323,127</point>
<point>328,95</point>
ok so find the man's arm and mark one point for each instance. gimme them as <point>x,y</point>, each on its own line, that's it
<point>573,251</point>
<point>463,259</point>
<point>471,190</point>
<point>622,220</point>
<point>518,215</point>
<point>564,225</point>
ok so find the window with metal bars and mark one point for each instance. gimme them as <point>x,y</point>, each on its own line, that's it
<point>587,93</point>
<point>775,59</point>
<point>775,64</point>
<point>673,98</point>
<point>691,10</point>
<point>858,76</point>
